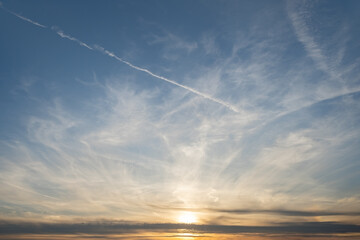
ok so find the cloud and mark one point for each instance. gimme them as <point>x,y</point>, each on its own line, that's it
<point>130,147</point>
<point>299,13</point>
<point>172,45</point>
<point>204,95</point>
<point>103,227</point>
<point>22,17</point>
<point>110,54</point>
<point>63,35</point>
<point>208,42</point>
<point>327,48</point>
<point>294,213</point>
<point>174,41</point>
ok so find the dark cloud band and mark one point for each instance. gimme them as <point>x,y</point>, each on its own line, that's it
<point>119,228</point>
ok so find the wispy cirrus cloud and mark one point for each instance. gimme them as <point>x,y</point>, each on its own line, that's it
<point>204,95</point>
<point>110,54</point>
<point>172,45</point>
<point>131,148</point>
<point>327,54</point>
<point>300,16</point>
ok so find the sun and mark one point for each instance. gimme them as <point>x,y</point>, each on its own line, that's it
<point>187,217</point>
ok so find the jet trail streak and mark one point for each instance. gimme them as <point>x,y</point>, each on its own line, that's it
<point>63,35</point>
<point>110,54</point>
<point>22,17</point>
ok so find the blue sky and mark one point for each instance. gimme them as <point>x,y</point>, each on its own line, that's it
<point>141,111</point>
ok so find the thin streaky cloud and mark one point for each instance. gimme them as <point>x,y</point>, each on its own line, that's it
<point>110,54</point>
<point>284,212</point>
<point>309,105</point>
<point>63,35</point>
<point>298,15</point>
<point>22,17</point>
<point>27,190</point>
<point>287,212</point>
<point>149,156</point>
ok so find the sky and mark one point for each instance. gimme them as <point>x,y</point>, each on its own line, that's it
<point>185,119</point>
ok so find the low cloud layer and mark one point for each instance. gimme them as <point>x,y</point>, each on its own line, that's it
<point>122,228</point>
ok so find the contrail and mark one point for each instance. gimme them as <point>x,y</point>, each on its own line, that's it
<point>63,35</point>
<point>22,17</point>
<point>110,54</point>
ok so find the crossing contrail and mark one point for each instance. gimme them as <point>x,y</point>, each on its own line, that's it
<point>110,54</point>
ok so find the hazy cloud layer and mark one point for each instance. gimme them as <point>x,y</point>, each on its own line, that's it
<point>127,145</point>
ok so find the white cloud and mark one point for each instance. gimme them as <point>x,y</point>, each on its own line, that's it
<point>172,42</point>
<point>22,17</point>
<point>143,147</point>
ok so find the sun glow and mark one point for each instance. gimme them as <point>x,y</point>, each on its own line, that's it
<point>187,217</point>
